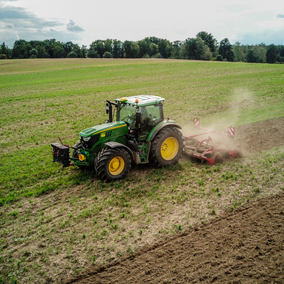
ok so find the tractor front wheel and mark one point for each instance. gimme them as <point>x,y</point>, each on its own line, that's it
<point>75,152</point>
<point>112,164</point>
<point>167,147</point>
<point>77,146</point>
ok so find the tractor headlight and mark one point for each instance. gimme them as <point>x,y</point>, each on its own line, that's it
<point>86,139</point>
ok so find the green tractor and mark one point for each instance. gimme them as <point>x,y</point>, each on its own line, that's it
<point>135,133</point>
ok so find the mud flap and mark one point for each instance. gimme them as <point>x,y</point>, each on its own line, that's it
<point>60,154</point>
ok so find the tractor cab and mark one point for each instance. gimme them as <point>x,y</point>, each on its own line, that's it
<point>141,114</point>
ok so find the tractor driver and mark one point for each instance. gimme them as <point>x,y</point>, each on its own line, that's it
<point>145,119</point>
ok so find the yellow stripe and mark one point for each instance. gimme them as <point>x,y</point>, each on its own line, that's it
<point>108,129</point>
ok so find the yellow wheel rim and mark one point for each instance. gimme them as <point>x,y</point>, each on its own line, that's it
<point>116,166</point>
<point>169,148</point>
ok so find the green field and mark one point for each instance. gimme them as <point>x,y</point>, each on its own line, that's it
<point>68,213</point>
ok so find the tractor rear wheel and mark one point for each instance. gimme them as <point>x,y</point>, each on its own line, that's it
<point>167,147</point>
<point>112,164</point>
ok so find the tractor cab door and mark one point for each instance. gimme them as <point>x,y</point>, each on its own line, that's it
<point>150,116</point>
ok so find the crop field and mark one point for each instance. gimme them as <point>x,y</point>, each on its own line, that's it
<point>56,222</point>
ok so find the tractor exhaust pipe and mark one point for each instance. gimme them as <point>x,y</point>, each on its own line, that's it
<point>109,110</point>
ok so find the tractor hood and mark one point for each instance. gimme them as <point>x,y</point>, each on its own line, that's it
<point>117,125</point>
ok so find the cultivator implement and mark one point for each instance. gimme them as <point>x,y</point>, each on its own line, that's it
<point>205,150</point>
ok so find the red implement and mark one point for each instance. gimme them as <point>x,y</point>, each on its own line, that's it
<point>205,150</point>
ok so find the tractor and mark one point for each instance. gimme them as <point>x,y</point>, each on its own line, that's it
<point>135,133</point>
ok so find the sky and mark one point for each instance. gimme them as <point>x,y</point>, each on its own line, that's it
<point>84,21</point>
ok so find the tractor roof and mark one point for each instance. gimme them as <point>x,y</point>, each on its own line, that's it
<point>143,100</point>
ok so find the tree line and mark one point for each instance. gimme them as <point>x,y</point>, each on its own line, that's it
<point>202,47</point>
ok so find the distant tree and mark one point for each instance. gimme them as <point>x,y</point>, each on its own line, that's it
<point>117,49</point>
<point>250,58</point>
<point>48,45</point>
<point>58,50</point>
<point>41,51</point>
<point>35,43</point>
<point>158,55</point>
<point>209,40</point>
<point>153,49</point>
<point>154,39</point>
<point>107,54</point>
<point>230,55</point>
<point>92,54</point>
<point>190,50</point>
<point>165,48</point>
<point>101,46</point>
<point>176,46</point>
<point>271,54</point>
<point>203,51</point>
<point>144,46</point>
<point>127,49</point>
<point>146,55</point>
<point>183,52</point>
<point>131,49</point>
<point>219,57</point>
<point>278,58</point>
<point>195,48</point>
<point>4,50</point>
<point>46,49</point>
<point>83,51</point>
<point>207,54</point>
<point>108,45</point>
<point>225,49</point>
<point>72,54</point>
<point>17,49</point>
<point>68,47</point>
<point>27,48</point>
<point>259,52</point>
<point>281,50</point>
<point>76,49</point>
<point>238,51</point>
<point>135,50</point>
<point>33,53</point>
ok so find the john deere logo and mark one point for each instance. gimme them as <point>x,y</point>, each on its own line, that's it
<point>108,133</point>
<point>103,134</point>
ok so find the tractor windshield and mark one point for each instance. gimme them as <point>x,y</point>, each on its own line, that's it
<point>127,114</point>
<point>151,115</point>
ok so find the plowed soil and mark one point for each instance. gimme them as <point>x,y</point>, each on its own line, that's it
<point>246,246</point>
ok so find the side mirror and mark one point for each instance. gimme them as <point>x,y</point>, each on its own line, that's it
<point>138,119</point>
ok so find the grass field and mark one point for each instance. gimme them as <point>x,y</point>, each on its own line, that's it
<point>56,221</point>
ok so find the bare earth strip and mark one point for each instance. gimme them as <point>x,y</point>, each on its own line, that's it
<point>246,246</point>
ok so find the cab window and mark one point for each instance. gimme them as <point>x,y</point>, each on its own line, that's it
<point>153,113</point>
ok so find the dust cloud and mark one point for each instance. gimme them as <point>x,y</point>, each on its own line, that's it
<point>238,102</point>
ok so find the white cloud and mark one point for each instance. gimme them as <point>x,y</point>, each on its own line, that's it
<point>74,28</point>
<point>20,23</point>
